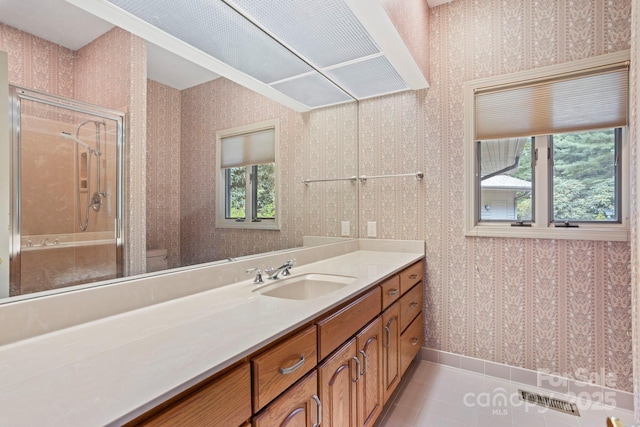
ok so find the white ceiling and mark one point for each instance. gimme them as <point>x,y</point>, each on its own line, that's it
<point>64,24</point>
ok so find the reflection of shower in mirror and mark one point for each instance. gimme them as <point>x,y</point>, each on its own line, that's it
<point>83,171</point>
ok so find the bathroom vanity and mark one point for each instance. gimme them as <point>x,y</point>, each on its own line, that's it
<point>234,354</point>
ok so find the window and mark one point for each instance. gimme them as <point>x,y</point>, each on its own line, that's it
<point>247,177</point>
<point>546,152</point>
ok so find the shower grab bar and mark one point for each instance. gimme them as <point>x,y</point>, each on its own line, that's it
<point>418,175</point>
<point>308,181</point>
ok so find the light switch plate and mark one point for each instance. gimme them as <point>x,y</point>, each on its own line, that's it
<point>371,229</point>
<point>345,229</point>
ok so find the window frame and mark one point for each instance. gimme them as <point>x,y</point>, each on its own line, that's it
<point>221,221</point>
<point>541,226</point>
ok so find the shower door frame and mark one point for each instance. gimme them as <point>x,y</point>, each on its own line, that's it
<point>16,95</point>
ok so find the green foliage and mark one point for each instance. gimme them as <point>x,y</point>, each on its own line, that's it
<point>584,175</point>
<point>266,191</point>
<point>237,190</point>
<point>237,185</point>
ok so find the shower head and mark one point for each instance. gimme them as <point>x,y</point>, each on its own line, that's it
<point>87,147</point>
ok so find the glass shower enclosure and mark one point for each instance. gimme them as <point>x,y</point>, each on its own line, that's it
<point>66,226</point>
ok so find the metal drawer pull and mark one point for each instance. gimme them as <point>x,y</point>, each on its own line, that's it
<point>388,331</point>
<point>319,404</point>
<point>393,292</point>
<point>413,277</point>
<point>414,341</point>
<point>285,371</point>
<point>357,368</point>
<point>364,362</point>
<point>413,304</point>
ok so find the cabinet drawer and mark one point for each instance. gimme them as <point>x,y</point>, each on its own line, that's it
<point>225,401</point>
<point>390,291</point>
<point>410,306</point>
<point>298,406</point>
<point>410,342</point>
<point>340,326</point>
<point>281,366</point>
<point>411,276</point>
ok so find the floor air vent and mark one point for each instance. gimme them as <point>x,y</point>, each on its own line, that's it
<point>549,402</point>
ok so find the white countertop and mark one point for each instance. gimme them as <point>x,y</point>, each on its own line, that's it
<point>109,371</point>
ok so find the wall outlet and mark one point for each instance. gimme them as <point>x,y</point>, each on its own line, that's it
<point>345,229</point>
<point>371,229</point>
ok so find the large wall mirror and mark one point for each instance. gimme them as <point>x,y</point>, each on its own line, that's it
<point>66,153</point>
<point>116,132</point>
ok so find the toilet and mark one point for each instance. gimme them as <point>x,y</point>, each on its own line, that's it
<point>157,260</point>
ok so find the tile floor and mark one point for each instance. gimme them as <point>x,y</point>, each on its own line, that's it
<point>433,395</point>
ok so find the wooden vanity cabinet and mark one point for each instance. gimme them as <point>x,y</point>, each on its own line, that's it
<point>298,406</point>
<point>390,290</point>
<point>225,401</point>
<point>396,318</point>
<point>410,342</point>
<point>410,306</point>
<point>390,350</point>
<point>338,377</point>
<point>340,326</point>
<point>369,386</point>
<point>410,276</point>
<point>282,365</point>
<point>339,370</point>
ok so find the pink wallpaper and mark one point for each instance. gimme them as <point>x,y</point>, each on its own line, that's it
<point>36,63</point>
<point>560,306</point>
<point>557,306</point>
<point>111,71</point>
<point>634,135</point>
<point>163,170</point>
<point>312,145</point>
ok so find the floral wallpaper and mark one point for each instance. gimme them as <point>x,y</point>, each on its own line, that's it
<point>634,135</point>
<point>111,71</point>
<point>318,144</point>
<point>163,170</point>
<point>558,306</point>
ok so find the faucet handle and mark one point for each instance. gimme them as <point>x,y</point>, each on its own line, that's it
<point>289,265</point>
<point>258,278</point>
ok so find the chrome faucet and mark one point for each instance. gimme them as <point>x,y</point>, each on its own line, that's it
<point>272,273</point>
<point>258,278</point>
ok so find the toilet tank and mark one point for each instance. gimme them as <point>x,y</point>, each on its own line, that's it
<point>157,260</point>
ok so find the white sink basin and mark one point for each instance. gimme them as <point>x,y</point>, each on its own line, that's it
<point>305,286</point>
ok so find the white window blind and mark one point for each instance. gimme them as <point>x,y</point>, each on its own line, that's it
<point>590,99</point>
<point>253,148</point>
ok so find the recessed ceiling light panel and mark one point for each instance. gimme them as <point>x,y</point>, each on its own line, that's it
<point>324,32</point>
<point>370,77</point>
<point>312,90</point>
<point>218,30</point>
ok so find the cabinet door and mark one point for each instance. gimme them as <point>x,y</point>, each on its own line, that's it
<point>390,350</point>
<point>338,377</point>
<point>298,407</point>
<point>369,346</point>
<point>410,342</point>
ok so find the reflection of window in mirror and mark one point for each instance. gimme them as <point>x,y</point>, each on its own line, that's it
<point>247,177</point>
